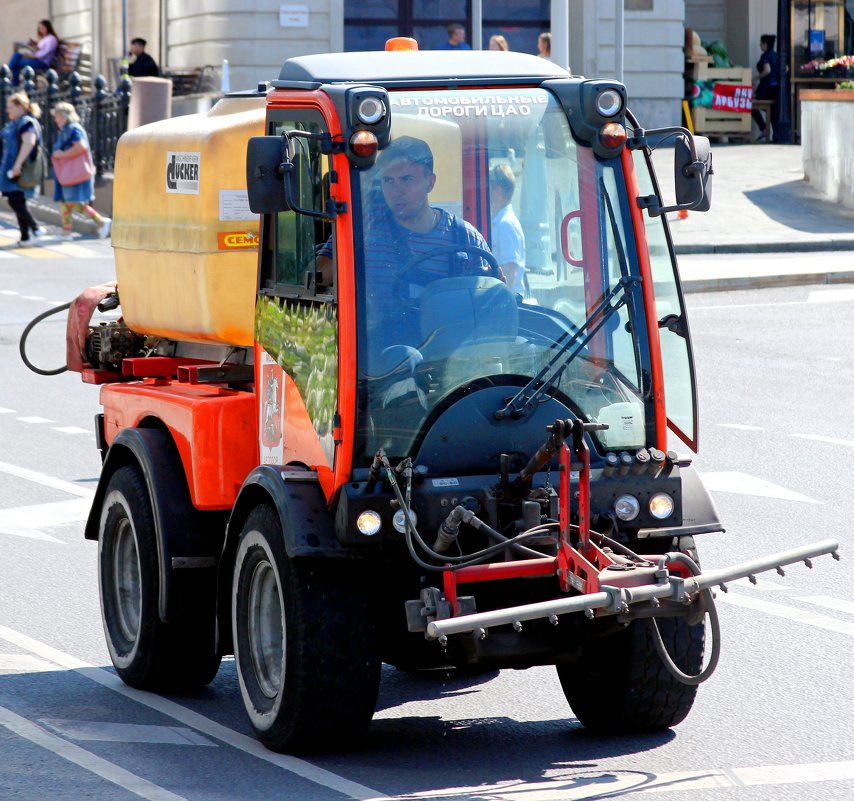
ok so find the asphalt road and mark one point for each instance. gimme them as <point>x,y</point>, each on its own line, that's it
<point>774,722</point>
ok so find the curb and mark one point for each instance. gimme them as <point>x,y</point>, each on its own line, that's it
<point>765,247</point>
<point>734,283</point>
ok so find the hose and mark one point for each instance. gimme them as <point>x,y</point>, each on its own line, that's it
<point>714,625</point>
<point>32,324</point>
<point>450,562</point>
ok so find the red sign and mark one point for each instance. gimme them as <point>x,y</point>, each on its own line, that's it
<point>732,97</point>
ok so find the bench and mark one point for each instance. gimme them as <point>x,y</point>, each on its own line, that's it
<point>193,80</point>
<point>765,107</point>
<point>67,59</point>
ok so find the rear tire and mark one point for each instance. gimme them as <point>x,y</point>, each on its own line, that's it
<point>305,643</point>
<point>619,683</point>
<point>146,652</point>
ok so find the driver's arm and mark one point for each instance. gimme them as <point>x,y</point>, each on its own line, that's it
<point>324,262</point>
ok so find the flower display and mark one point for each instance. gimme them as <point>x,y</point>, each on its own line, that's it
<point>837,66</point>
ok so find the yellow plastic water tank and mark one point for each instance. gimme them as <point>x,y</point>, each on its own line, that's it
<point>186,244</point>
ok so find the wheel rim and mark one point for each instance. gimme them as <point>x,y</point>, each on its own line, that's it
<point>126,581</point>
<point>266,632</point>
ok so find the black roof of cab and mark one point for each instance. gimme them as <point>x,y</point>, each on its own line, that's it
<point>423,68</point>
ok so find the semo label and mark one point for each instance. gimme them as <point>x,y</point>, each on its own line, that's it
<point>182,173</point>
<point>236,240</point>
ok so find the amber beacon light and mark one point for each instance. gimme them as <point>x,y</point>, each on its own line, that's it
<point>401,43</point>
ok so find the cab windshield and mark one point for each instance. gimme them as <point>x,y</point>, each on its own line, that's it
<point>495,250</point>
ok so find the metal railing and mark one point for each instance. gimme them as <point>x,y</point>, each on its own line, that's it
<point>103,113</point>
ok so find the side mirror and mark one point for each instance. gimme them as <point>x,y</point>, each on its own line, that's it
<point>693,173</point>
<point>265,176</point>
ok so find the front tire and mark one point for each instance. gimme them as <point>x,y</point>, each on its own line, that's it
<point>146,652</point>
<point>305,642</point>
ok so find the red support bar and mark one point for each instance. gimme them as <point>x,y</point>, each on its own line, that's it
<point>157,366</point>
<point>523,568</point>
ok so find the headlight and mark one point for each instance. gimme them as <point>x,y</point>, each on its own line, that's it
<point>627,507</point>
<point>369,522</point>
<point>661,506</point>
<point>609,103</point>
<point>370,110</point>
<point>399,520</point>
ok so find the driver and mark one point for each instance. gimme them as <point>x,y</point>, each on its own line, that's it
<point>409,229</point>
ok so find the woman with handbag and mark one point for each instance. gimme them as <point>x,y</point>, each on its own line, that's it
<point>21,137</point>
<point>74,171</point>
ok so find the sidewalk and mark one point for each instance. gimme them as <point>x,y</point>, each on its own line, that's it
<point>760,204</point>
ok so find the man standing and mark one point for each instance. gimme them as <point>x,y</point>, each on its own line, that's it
<point>456,38</point>
<point>143,66</point>
<point>508,241</point>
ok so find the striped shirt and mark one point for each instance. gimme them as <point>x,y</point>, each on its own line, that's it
<point>390,248</point>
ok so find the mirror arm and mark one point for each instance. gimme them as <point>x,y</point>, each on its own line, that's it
<point>653,204</point>
<point>286,171</point>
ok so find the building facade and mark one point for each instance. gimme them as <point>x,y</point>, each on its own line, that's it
<point>256,36</point>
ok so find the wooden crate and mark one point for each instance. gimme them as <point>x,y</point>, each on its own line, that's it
<point>711,122</point>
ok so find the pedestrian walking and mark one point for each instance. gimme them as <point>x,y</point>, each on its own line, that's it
<point>74,186</point>
<point>768,85</point>
<point>21,137</point>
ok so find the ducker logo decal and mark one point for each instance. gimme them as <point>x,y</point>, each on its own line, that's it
<point>182,173</point>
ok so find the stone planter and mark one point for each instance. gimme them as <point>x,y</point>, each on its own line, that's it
<point>827,119</point>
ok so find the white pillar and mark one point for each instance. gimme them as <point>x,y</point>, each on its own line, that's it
<point>477,24</point>
<point>619,30</point>
<point>560,32</point>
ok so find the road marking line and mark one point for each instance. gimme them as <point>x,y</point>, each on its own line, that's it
<point>100,731</point>
<point>188,717</point>
<point>787,612</point>
<point>71,430</point>
<point>24,663</point>
<point>740,427</point>
<point>761,584</point>
<point>28,533</point>
<point>73,249</point>
<point>4,410</point>
<point>85,759</point>
<point>46,480</point>
<point>744,484</point>
<point>6,255</point>
<point>831,296</point>
<point>827,602</point>
<point>38,253</point>
<point>34,420</point>
<point>32,297</point>
<point>42,515</point>
<point>7,292</point>
<point>848,443</point>
<point>607,784</point>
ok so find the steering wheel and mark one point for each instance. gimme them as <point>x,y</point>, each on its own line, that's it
<point>409,272</point>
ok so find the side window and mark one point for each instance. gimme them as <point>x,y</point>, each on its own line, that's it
<point>296,317</point>
<point>298,244</point>
<point>680,393</point>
